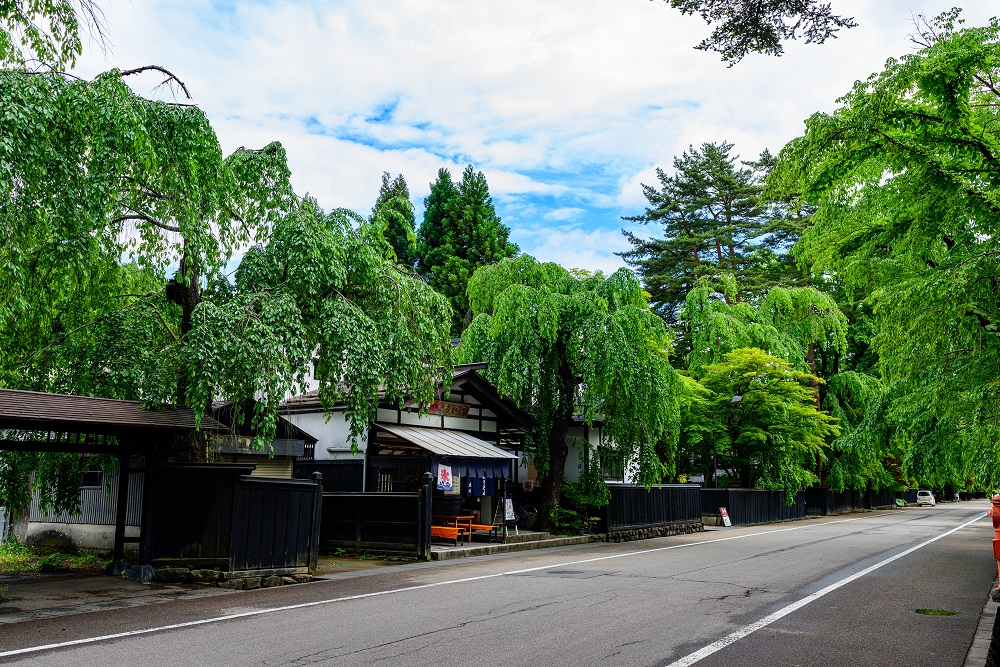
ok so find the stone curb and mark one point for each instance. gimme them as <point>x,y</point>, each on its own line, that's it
<point>488,549</point>
<point>984,634</point>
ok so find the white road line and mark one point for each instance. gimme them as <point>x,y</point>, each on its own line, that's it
<point>305,605</point>
<point>692,658</point>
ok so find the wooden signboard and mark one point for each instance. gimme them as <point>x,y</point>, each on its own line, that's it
<point>449,409</point>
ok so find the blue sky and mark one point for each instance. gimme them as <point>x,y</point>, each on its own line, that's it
<point>567,106</point>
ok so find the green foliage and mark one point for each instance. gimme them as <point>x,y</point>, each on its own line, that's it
<point>53,562</point>
<point>102,191</point>
<point>45,31</point>
<point>14,556</point>
<point>742,27</point>
<point>560,344</point>
<point>784,323</point>
<point>773,437</point>
<point>564,521</point>
<point>394,212</point>
<point>904,176</point>
<point>460,232</point>
<point>589,490</point>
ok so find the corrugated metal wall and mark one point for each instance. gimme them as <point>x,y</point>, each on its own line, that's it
<point>99,505</point>
<point>276,467</point>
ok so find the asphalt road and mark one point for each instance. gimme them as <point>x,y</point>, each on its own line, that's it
<point>835,591</point>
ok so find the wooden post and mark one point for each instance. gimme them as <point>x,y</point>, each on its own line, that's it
<point>316,522</point>
<point>424,526</point>
<point>122,514</point>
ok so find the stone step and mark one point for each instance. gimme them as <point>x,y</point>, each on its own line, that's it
<point>487,549</point>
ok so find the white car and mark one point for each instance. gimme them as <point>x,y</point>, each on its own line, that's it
<point>925,498</point>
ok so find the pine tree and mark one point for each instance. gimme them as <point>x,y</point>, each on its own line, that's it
<point>713,223</point>
<point>394,212</point>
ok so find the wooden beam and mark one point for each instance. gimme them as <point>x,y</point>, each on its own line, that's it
<point>72,448</point>
<point>122,515</point>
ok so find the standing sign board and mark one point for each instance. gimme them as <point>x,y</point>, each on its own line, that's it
<point>725,516</point>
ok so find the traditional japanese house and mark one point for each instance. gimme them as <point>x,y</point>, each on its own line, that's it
<point>471,431</point>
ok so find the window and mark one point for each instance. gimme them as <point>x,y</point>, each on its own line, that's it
<point>93,479</point>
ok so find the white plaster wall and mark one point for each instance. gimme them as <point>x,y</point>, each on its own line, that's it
<point>333,434</point>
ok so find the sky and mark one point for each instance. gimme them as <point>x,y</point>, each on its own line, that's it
<point>567,106</point>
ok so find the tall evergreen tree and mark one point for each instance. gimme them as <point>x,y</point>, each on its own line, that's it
<point>713,223</point>
<point>461,232</point>
<point>394,212</point>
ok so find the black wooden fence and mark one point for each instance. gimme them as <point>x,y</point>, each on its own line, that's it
<point>746,506</point>
<point>390,522</point>
<point>218,516</point>
<point>634,507</point>
<point>344,476</point>
<point>821,500</point>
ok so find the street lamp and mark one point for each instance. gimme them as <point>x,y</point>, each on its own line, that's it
<point>715,451</point>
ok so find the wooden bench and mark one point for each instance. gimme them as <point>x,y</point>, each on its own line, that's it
<point>493,530</point>
<point>449,533</point>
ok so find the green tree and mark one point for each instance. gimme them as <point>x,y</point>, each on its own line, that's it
<point>760,26</point>
<point>394,211</point>
<point>713,222</point>
<point>102,192</point>
<point>463,232</point>
<point>904,176</point>
<point>561,344</point>
<point>772,437</point>
<point>788,323</point>
<point>46,31</point>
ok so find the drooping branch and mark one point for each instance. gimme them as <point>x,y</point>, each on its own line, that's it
<point>170,76</point>
<point>153,221</point>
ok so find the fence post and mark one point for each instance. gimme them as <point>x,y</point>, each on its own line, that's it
<point>424,517</point>
<point>317,519</point>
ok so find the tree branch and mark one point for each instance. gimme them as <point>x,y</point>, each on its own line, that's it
<point>142,216</point>
<point>157,68</point>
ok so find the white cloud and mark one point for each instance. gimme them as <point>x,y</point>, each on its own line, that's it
<point>573,247</point>
<point>563,104</point>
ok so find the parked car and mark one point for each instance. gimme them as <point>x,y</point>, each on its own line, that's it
<point>925,498</point>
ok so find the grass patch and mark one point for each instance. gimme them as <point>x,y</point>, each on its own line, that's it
<point>935,612</point>
<point>17,558</point>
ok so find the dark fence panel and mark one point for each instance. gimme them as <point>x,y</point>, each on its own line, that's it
<point>338,476</point>
<point>634,507</point>
<point>190,510</point>
<point>372,521</point>
<point>219,516</point>
<point>747,506</point>
<point>273,523</point>
<point>910,495</point>
<point>822,500</point>
<point>880,499</point>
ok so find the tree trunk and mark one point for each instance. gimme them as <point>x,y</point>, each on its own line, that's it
<point>558,449</point>
<point>811,360</point>
<point>186,292</point>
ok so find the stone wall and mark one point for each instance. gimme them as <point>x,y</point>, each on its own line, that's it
<point>656,531</point>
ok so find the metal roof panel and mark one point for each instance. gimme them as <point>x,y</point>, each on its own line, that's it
<point>446,442</point>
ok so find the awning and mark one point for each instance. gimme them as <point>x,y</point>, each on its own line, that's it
<point>467,455</point>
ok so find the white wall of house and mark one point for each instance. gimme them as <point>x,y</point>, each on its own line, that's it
<point>592,435</point>
<point>333,435</point>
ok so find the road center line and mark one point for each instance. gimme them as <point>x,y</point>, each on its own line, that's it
<point>692,658</point>
<point>362,596</point>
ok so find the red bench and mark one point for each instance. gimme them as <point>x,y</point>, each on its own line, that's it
<point>484,526</point>
<point>457,535</point>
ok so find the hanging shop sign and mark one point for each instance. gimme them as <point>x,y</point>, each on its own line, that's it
<point>444,478</point>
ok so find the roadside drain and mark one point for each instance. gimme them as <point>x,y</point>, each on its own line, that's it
<point>935,612</point>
